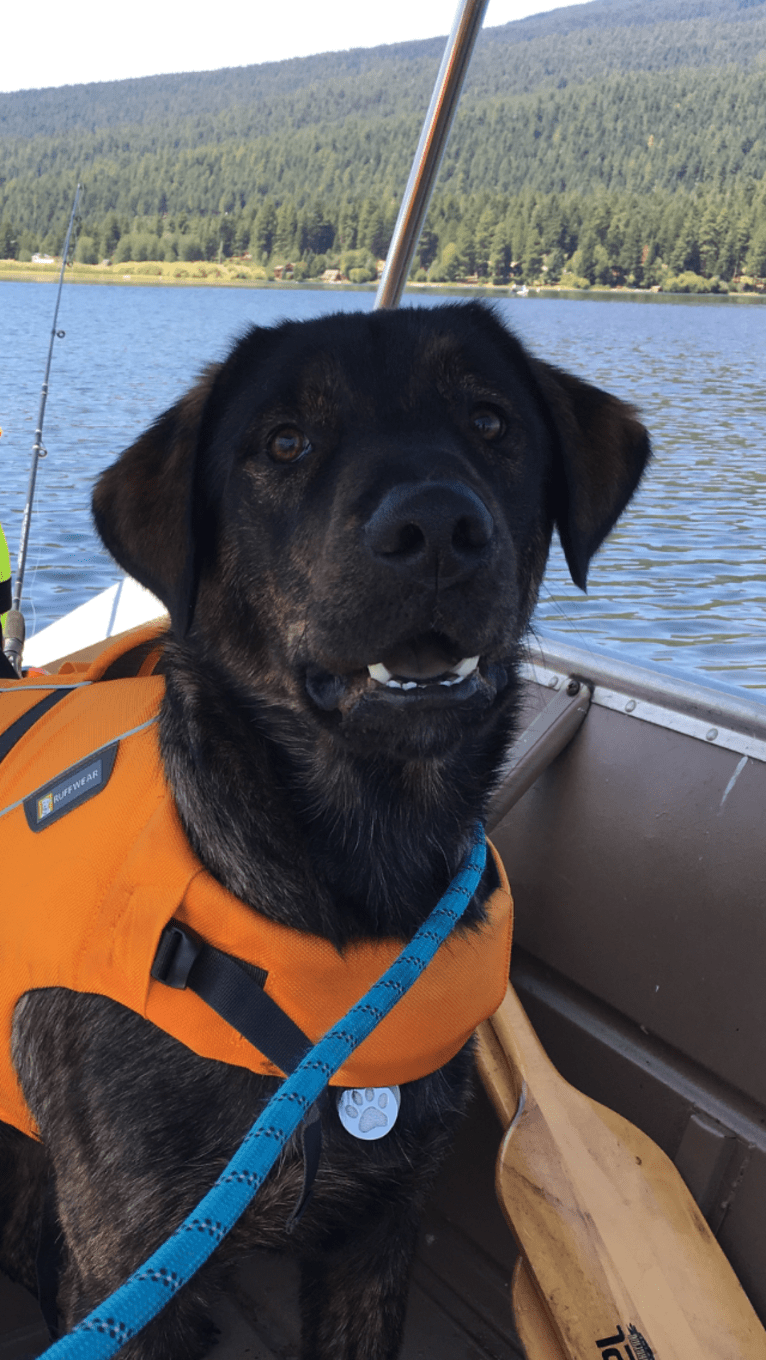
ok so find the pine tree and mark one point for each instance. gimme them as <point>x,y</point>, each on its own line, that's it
<point>532,259</point>
<point>500,254</point>
<point>264,230</point>
<point>8,241</point>
<point>285,235</point>
<point>483,238</point>
<point>709,242</point>
<point>756,255</point>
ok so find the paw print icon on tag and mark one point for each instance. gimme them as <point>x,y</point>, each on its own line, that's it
<point>369,1112</point>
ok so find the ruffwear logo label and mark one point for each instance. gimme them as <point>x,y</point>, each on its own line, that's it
<point>69,790</point>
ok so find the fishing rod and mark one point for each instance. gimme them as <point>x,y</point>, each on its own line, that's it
<point>15,630</point>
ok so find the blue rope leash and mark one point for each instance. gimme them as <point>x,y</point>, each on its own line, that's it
<point>104,1331</point>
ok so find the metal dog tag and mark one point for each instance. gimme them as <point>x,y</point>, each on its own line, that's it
<point>369,1111</point>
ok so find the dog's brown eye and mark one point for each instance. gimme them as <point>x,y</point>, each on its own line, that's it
<point>288,445</point>
<point>487,422</point>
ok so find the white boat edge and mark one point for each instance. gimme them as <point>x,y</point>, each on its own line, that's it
<point>113,611</point>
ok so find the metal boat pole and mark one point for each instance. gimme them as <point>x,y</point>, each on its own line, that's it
<point>431,148</point>
<point>13,645</point>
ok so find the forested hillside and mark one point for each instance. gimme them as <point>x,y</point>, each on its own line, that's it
<point>617,141</point>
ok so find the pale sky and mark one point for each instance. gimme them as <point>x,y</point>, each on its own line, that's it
<point>44,44</point>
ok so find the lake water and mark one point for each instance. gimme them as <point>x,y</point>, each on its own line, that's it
<point>682,580</point>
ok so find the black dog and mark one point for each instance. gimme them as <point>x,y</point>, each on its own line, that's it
<point>348,521</point>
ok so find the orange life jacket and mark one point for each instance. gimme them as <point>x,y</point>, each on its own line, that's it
<point>95,864</point>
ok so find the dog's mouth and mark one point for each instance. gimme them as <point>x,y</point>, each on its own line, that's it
<point>428,668</point>
<point>422,662</point>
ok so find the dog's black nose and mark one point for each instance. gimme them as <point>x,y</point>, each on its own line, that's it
<point>431,528</point>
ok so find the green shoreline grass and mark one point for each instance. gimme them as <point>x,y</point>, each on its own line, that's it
<point>239,274</point>
<point>143,272</point>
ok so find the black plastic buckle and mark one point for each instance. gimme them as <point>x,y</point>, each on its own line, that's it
<point>176,954</point>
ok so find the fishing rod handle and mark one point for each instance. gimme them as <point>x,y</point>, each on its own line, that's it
<point>13,638</point>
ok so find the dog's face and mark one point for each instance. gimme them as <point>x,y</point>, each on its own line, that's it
<point>353,515</point>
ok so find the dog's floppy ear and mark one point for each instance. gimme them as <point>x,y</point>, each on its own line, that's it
<point>145,505</point>
<point>603,448</point>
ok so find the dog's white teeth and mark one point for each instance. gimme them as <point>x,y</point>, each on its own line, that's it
<point>461,671</point>
<point>380,673</point>
<point>466,667</point>
<point>383,676</point>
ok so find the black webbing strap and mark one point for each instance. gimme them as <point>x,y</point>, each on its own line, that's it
<point>21,726</point>
<point>235,992</point>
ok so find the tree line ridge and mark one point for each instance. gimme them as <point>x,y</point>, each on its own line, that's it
<point>610,143</point>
